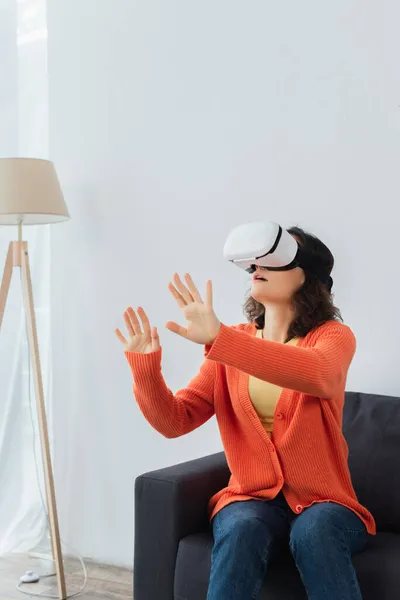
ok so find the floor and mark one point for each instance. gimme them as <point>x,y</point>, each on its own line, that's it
<point>103,583</point>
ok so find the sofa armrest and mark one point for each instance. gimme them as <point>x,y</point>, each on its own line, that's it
<point>170,504</point>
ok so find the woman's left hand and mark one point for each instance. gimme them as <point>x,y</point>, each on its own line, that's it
<point>202,323</point>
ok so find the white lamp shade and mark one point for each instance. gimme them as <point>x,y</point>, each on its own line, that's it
<point>30,192</point>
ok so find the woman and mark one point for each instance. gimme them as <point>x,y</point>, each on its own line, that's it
<point>276,386</point>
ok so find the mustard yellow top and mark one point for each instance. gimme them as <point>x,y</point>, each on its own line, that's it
<point>265,396</point>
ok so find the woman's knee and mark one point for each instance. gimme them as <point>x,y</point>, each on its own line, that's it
<point>315,528</point>
<point>240,523</point>
<point>241,527</point>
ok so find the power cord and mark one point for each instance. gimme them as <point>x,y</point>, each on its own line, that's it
<point>43,594</point>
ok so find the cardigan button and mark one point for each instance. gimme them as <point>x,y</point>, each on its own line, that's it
<point>299,509</point>
<point>279,416</point>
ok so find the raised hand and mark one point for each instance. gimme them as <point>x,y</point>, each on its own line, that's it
<point>141,338</point>
<point>202,323</point>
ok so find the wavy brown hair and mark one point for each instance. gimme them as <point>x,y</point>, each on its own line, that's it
<point>313,302</point>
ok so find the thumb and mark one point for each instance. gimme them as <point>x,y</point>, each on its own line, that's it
<point>175,328</point>
<point>155,339</point>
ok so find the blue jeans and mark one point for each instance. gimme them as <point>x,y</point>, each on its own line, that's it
<point>322,540</point>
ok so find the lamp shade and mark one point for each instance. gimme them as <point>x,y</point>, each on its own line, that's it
<point>30,192</point>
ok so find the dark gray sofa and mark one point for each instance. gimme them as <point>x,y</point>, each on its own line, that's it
<point>173,537</point>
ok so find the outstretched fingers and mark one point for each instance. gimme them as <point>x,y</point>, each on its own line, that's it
<point>182,289</point>
<point>178,297</point>
<point>209,294</point>
<point>193,289</point>
<point>145,321</point>
<point>155,339</point>
<point>132,322</point>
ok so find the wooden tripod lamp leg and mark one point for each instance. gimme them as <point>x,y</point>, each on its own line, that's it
<point>5,284</point>
<point>44,436</point>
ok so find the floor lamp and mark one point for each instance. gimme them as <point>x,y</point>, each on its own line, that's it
<point>30,194</point>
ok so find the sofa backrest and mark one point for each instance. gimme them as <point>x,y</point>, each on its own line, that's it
<point>371,426</point>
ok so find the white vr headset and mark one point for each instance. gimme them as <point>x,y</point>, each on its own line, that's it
<point>269,245</point>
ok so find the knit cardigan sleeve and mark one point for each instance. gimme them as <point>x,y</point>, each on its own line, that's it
<point>319,370</point>
<point>170,414</point>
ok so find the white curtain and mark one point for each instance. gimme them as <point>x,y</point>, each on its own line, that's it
<point>23,132</point>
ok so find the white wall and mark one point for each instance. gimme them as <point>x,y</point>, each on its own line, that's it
<point>23,132</point>
<point>170,122</point>
<point>8,80</point>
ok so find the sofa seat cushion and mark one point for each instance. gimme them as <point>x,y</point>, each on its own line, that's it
<point>378,570</point>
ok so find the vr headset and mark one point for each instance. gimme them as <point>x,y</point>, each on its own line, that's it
<point>269,245</point>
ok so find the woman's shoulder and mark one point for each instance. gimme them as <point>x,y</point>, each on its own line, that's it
<point>334,329</point>
<point>333,325</point>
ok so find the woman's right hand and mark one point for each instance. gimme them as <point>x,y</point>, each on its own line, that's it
<point>142,339</point>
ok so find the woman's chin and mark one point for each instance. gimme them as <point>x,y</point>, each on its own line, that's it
<point>259,295</point>
<point>265,296</point>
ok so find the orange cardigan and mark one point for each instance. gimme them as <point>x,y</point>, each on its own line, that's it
<point>307,454</point>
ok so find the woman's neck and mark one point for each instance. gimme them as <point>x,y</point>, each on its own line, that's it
<point>278,318</point>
